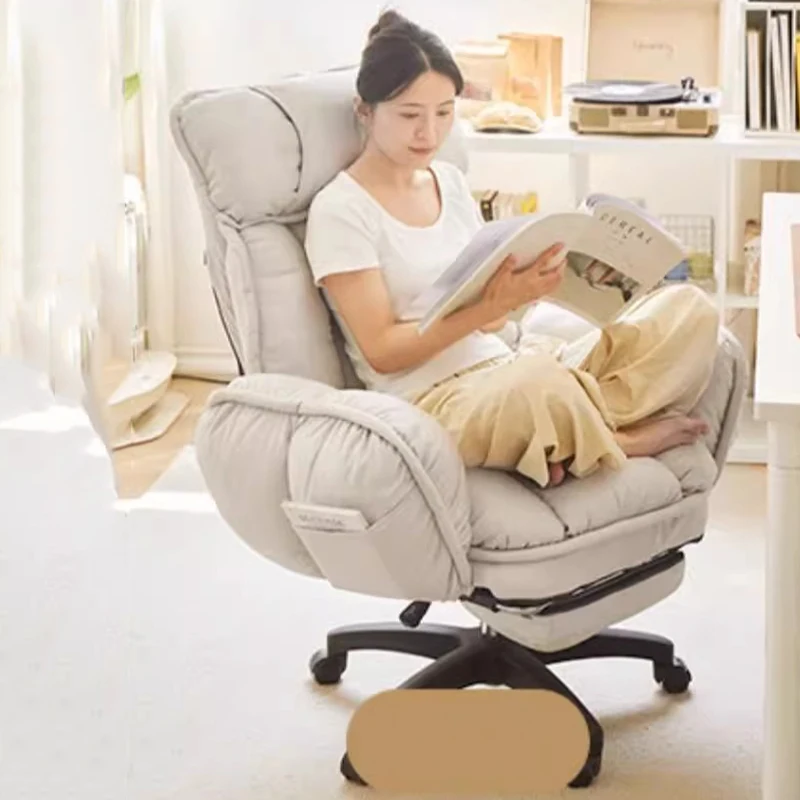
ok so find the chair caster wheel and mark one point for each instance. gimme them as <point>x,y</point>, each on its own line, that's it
<point>327,669</point>
<point>674,678</point>
<point>347,769</point>
<point>591,769</point>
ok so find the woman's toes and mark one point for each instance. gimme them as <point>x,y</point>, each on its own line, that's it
<point>696,427</point>
<point>557,473</point>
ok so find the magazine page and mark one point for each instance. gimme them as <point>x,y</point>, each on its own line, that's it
<point>471,269</point>
<point>616,253</point>
<point>606,207</point>
<point>525,236</point>
<point>633,241</point>
<point>623,254</point>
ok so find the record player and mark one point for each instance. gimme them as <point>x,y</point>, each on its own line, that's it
<point>643,108</point>
<point>637,52</point>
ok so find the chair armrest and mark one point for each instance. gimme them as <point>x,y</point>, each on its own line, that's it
<point>721,403</point>
<point>269,438</point>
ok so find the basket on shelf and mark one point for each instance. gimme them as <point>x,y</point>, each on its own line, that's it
<point>696,233</point>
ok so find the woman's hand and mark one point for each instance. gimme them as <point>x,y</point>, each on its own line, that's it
<point>509,288</point>
<point>495,325</point>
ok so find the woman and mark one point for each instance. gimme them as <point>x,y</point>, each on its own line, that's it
<point>384,229</point>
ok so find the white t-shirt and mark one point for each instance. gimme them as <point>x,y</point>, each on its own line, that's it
<point>347,230</point>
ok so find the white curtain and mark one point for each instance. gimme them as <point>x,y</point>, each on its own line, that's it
<point>157,152</point>
<point>11,193</point>
<point>68,258</point>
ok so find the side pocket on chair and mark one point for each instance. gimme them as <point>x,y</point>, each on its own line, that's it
<point>352,554</point>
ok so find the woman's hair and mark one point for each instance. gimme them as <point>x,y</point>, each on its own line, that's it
<point>397,53</point>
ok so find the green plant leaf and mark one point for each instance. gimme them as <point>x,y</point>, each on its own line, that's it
<point>131,85</point>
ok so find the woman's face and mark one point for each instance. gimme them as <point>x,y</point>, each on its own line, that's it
<point>410,128</point>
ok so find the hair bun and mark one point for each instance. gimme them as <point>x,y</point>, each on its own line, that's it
<point>397,52</point>
<point>388,19</point>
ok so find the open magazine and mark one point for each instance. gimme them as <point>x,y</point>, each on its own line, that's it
<point>616,253</point>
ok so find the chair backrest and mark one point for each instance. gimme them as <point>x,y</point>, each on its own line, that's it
<point>257,155</point>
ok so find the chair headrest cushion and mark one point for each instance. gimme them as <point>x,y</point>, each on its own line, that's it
<point>261,153</point>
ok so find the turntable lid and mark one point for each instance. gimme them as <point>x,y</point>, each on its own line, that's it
<point>664,41</point>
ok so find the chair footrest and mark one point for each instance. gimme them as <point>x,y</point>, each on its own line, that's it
<point>584,595</point>
<point>559,623</point>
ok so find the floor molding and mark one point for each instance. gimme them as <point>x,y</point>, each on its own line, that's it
<point>205,363</point>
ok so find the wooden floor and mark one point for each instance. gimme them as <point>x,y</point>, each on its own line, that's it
<point>139,466</point>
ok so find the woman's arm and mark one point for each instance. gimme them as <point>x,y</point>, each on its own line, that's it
<point>362,300</point>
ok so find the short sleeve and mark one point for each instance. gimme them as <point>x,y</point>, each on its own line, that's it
<point>340,236</point>
<point>462,193</point>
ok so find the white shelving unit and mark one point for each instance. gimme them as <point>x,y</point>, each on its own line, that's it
<point>730,148</point>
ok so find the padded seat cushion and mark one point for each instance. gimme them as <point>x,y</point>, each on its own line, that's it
<point>546,542</point>
<point>598,500</point>
<point>511,513</point>
<point>507,515</point>
<point>537,573</point>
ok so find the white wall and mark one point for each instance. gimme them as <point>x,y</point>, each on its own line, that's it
<point>222,42</point>
<point>72,152</point>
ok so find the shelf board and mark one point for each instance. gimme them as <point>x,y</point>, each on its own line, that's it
<point>739,300</point>
<point>556,138</point>
<point>761,5</point>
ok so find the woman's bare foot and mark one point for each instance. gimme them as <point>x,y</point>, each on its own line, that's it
<point>557,473</point>
<point>652,438</point>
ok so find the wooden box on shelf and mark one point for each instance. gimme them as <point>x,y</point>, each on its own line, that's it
<point>535,71</point>
<point>524,68</point>
<point>484,66</point>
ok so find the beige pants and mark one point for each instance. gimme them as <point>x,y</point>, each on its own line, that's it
<point>553,401</point>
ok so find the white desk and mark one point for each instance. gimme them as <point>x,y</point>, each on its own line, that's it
<point>777,401</point>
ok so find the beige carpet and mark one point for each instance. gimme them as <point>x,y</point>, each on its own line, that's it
<point>146,654</point>
<point>223,707</point>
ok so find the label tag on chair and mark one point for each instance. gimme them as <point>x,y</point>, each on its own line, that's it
<point>323,518</point>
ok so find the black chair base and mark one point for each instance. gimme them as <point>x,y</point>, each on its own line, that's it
<point>463,657</point>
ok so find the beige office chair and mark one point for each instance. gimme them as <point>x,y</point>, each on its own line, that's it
<point>546,573</point>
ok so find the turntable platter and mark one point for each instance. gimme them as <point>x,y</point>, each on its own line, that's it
<point>628,92</point>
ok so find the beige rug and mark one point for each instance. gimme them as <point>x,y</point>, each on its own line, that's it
<point>223,706</point>
<point>147,654</point>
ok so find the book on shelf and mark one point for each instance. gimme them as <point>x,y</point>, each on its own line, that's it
<point>495,204</point>
<point>616,253</point>
<point>772,70</point>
